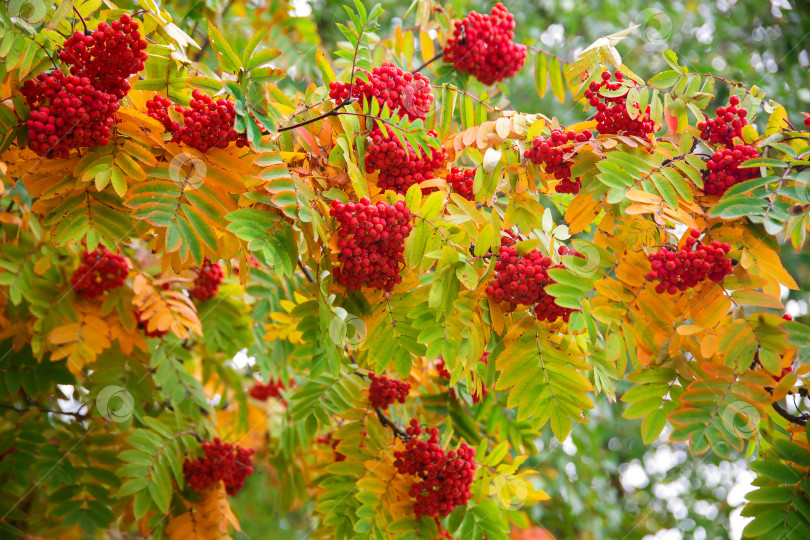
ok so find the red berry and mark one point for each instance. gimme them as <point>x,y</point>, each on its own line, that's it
<point>727,125</point>
<point>108,58</point>
<point>209,276</point>
<point>692,264</point>
<point>612,117</point>
<point>399,167</point>
<point>272,389</point>
<point>372,242</point>
<point>207,123</point>
<point>384,391</point>
<point>229,463</point>
<point>100,271</point>
<point>407,94</point>
<point>550,152</point>
<point>55,125</point>
<point>442,479</point>
<point>461,180</point>
<point>482,46</point>
<point>723,171</point>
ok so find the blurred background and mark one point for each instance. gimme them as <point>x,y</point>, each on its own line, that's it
<point>603,481</point>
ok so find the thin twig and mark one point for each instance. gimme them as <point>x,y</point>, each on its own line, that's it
<point>546,53</point>
<point>306,271</point>
<point>426,64</point>
<point>387,422</point>
<point>798,420</point>
<point>43,409</point>
<point>76,11</point>
<point>333,112</point>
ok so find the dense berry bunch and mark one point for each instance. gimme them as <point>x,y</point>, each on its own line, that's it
<point>444,478</point>
<point>371,241</point>
<point>158,108</point>
<point>441,367</point>
<point>263,392</point>
<point>482,46</point>
<point>461,180</point>
<point>519,279</point>
<point>399,167</point>
<point>222,461</point>
<point>692,264</point>
<point>727,125</point>
<point>550,152</point>
<point>723,169</point>
<point>807,121</point>
<point>143,325</point>
<point>100,271</point>
<point>109,56</point>
<point>611,112</point>
<point>67,112</point>
<point>209,276</point>
<point>383,391</point>
<point>404,92</point>
<point>207,123</point>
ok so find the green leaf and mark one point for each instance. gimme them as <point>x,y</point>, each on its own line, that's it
<point>224,51</point>
<point>556,77</point>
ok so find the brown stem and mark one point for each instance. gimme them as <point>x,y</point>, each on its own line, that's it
<point>77,415</point>
<point>333,112</point>
<point>387,422</point>
<point>426,64</point>
<point>84,23</point>
<point>546,53</point>
<point>306,271</point>
<point>798,420</point>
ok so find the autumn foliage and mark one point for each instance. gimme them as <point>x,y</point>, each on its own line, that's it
<point>374,292</point>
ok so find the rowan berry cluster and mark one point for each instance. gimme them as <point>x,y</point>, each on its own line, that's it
<point>263,392</point>
<point>229,463</point>
<point>461,180</point>
<point>550,152</point>
<point>100,271</point>
<point>519,279</point>
<point>404,92</point>
<point>726,126</point>
<point>444,477</point>
<point>611,112</point>
<point>399,167</point>
<point>482,46</point>
<point>723,169</point>
<point>209,276</point>
<point>78,111</point>
<point>383,391</point>
<point>207,123</point>
<point>143,326</point>
<point>67,112</point>
<point>372,242</point>
<point>109,56</point>
<point>692,264</point>
<point>158,108</point>
<point>807,121</point>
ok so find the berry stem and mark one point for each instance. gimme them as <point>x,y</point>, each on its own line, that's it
<point>306,271</point>
<point>387,422</point>
<point>84,23</point>
<point>550,55</point>
<point>333,112</point>
<point>426,64</point>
